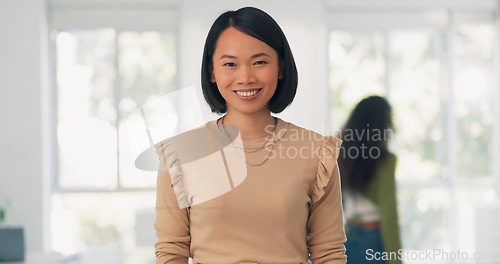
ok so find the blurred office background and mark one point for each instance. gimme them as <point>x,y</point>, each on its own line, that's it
<point>73,71</point>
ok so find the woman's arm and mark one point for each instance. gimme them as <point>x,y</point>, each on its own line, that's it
<point>325,225</point>
<point>387,202</point>
<point>171,224</point>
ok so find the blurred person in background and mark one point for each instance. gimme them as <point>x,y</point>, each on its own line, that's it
<point>368,184</point>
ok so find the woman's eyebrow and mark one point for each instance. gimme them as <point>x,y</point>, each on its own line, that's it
<point>262,54</point>
<point>228,57</point>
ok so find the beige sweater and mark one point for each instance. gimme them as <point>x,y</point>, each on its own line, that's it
<point>284,210</point>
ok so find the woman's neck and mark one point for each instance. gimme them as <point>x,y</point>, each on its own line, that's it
<point>251,126</point>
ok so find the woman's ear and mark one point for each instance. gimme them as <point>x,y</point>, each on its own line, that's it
<point>281,70</point>
<point>212,77</point>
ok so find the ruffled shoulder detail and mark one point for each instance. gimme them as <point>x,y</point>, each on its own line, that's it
<point>327,160</point>
<point>168,158</point>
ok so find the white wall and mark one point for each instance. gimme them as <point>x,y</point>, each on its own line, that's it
<point>23,68</point>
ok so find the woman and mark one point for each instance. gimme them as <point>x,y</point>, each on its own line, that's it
<point>288,207</point>
<point>368,184</point>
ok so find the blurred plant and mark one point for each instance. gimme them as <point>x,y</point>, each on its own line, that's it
<point>5,212</point>
<point>2,214</point>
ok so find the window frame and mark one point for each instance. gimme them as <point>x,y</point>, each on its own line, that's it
<point>136,18</point>
<point>345,16</point>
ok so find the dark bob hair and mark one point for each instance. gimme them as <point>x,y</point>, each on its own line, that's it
<point>258,24</point>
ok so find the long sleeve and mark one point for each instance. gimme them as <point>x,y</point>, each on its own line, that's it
<point>384,195</point>
<point>325,224</point>
<point>171,224</point>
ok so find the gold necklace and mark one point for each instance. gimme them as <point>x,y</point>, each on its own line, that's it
<point>255,150</point>
<point>273,134</point>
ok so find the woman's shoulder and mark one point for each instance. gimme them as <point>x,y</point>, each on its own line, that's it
<point>326,151</point>
<point>386,169</point>
<point>388,161</point>
<point>391,156</point>
<point>185,136</point>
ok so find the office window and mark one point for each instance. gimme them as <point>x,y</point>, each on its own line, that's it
<point>473,105</point>
<point>102,76</point>
<point>439,81</point>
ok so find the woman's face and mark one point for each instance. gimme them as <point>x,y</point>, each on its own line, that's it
<point>245,70</point>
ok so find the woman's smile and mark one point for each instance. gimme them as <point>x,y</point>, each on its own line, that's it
<point>248,94</point>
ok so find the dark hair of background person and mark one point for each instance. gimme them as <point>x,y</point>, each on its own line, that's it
<point>258,24</point>
<point>371,115</point>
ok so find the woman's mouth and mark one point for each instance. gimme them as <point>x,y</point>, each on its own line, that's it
<point>247,94</point>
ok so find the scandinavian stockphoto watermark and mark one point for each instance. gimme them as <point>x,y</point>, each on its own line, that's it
<point>363,151</point>
<point>436,254</point>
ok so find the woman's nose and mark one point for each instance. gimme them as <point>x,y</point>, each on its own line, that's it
<point>246,75</point>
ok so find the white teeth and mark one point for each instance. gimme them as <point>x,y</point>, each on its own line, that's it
<point>247,93</point>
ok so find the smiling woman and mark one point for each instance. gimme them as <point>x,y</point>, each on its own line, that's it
<point>245,70</point>
<point>281,208</point>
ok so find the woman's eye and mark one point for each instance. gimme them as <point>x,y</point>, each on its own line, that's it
<point>260,62</point>
<point>230,64</point>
